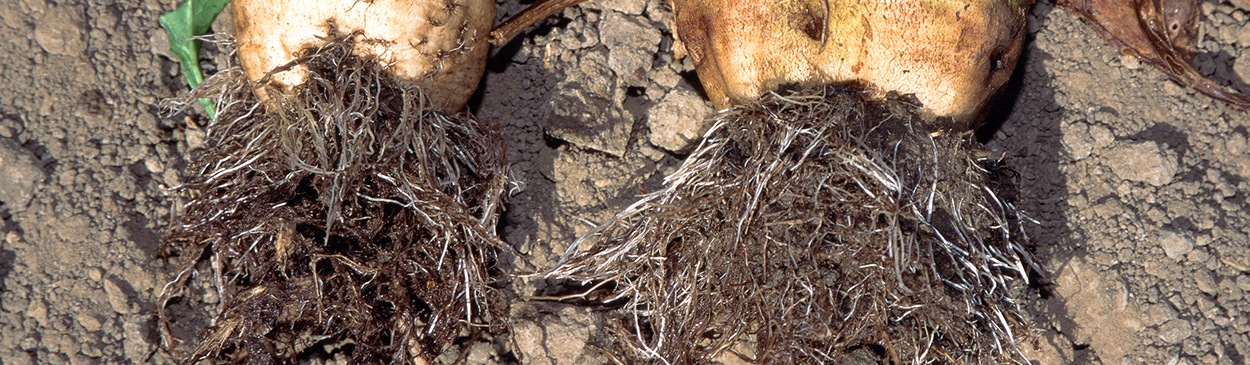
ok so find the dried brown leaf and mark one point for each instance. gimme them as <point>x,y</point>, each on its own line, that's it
<point>1162,33</point>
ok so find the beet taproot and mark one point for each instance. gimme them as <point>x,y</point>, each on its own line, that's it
<point>438,45</point>
<point>347,200</point>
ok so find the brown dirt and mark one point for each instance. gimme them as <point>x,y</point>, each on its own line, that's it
<point>1139,186</point>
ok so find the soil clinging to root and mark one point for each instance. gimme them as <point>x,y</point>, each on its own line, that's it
<point>344,216</point>
<point>812,226</point>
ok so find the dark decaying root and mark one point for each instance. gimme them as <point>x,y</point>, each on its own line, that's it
<point>813,225</point>
<point>346,213</point>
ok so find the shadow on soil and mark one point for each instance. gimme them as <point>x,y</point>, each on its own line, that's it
<point>1028,109</point>
<point>6,266</point>
<point>6,256</point>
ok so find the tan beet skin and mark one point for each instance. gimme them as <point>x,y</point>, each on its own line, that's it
<point>954,55</point>
<point>437,45</point>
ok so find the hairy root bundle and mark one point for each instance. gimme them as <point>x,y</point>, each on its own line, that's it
<point>812,226</point>
<point>345,212</point>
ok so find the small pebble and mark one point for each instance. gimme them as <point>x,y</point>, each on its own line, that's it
<point>1242,65</point>
<point>89,322</point>
<point>1143,162</point>
<point>154,165</point>
<point>1243,37</point>
<point>117,297</point>
<point>1205,282</point>
<point>1174,245</point>
<point>1243,282</point>
<point>1175,331</point>
<point>137,344</point>
<point>195,138</point>
<point>18,357</point>
<point>1130,62</point>
<point>21,172</point>
<point>95,274</point>
<point>38,310</point>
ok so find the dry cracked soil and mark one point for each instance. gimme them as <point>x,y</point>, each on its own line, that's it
<point>1138,186</point>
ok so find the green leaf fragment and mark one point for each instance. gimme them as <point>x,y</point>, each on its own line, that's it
<point>192,19</point>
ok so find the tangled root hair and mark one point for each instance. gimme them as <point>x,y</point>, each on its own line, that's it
<point>812,225</point>
<point>343,212</point>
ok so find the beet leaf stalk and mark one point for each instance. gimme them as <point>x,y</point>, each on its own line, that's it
<point>183,25</point>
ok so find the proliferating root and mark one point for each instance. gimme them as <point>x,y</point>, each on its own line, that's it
<point>815,225</point>
<point>345,213</point>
